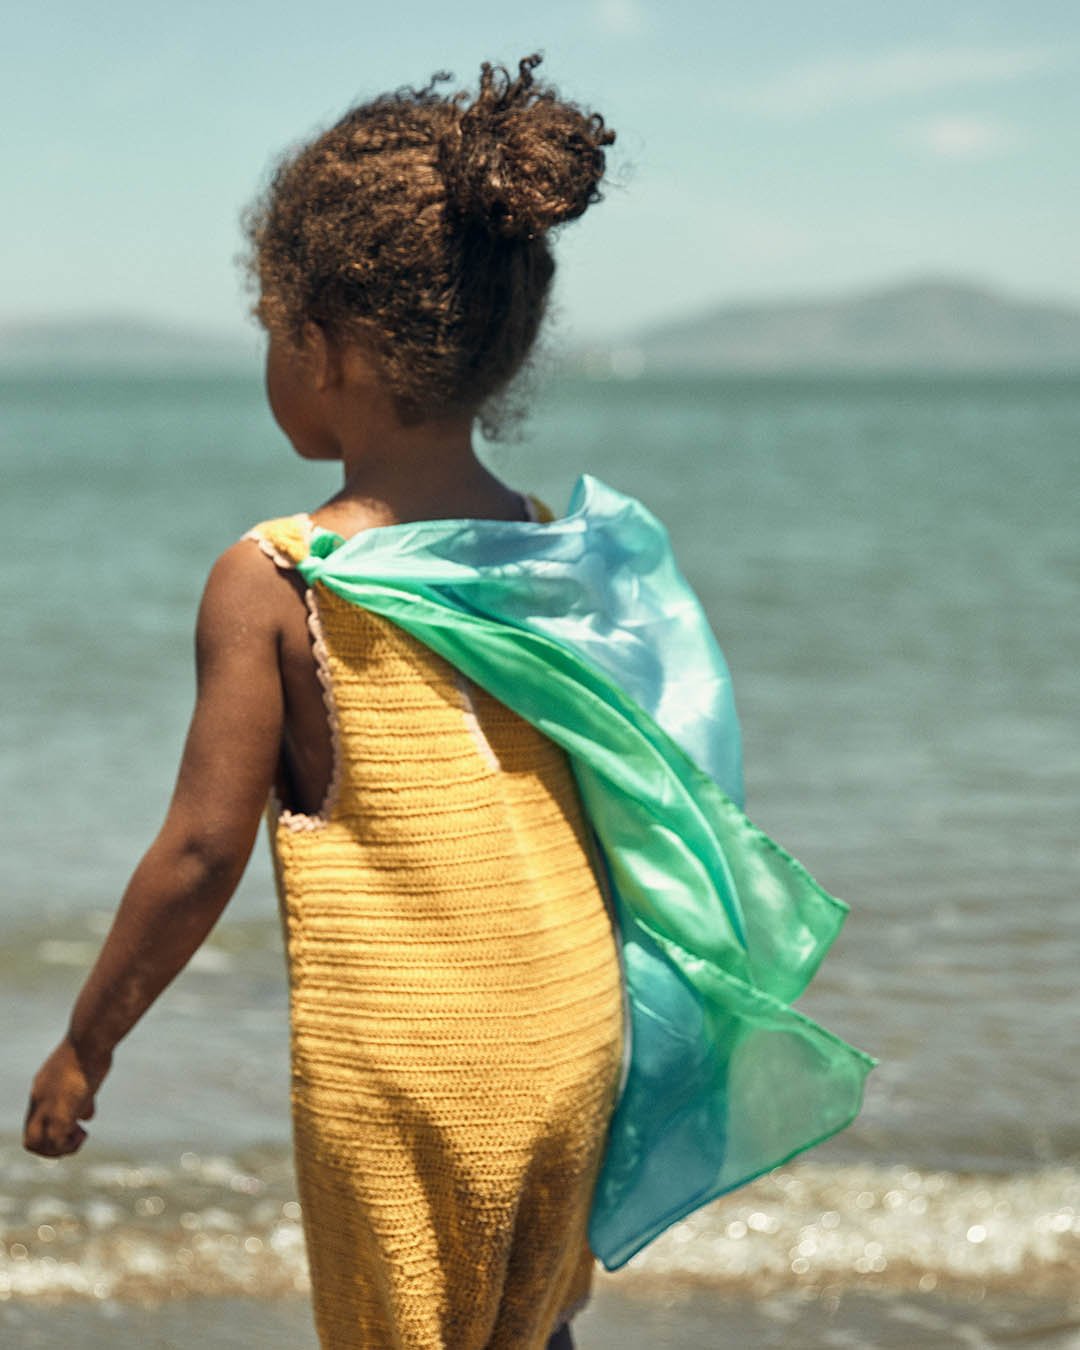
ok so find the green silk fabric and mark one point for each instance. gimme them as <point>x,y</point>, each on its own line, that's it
<point>585,627</point>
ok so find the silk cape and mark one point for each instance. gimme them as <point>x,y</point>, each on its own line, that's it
<point>585,627</point>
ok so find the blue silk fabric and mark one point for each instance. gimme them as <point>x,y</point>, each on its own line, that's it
<point>586,628</point>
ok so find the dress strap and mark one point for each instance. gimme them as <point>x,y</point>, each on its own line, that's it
<point>286,539</point>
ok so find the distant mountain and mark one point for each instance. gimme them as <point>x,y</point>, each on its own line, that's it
<point>928,324</point>
<point>120,344</point>
<point>922,325</point>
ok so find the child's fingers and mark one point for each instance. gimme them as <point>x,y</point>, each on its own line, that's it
<point>55,1138</point>
<point>58,1132</point>
<point>32,1126</point>
<point>51,1135</point>
<point>34,1135</point>
<point>37,1136</point>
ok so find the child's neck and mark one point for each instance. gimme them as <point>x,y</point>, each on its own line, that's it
<point>397,471</point>
<point>424,472</point>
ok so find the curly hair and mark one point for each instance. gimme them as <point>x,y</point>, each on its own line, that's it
<point>417,226</point>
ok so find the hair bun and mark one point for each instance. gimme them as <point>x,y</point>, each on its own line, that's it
<point>518,159</point>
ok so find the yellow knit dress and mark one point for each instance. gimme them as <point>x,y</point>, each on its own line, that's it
<point>456,1003</point>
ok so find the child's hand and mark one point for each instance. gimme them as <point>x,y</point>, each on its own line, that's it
<point>62,1094</point>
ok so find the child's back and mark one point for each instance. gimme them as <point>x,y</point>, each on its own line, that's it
<point>456,1001</point>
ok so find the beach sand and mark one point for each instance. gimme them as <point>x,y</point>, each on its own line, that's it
<point>683,1320</point>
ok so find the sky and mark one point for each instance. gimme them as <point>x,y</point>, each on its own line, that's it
<point>767,151</point>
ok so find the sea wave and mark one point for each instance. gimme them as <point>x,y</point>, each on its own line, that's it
<point>213,1225</point>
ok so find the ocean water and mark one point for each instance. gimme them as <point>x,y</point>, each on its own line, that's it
<point>891,565</point>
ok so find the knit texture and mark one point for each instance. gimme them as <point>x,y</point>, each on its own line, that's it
<point>456,1003</point>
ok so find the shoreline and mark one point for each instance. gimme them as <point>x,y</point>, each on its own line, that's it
<point>631,1320</point>
<point>213,1225</point>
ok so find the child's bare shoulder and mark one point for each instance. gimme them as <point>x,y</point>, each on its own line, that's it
<point>244,592</point>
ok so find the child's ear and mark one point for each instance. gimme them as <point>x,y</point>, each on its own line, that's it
<point>323,357</point>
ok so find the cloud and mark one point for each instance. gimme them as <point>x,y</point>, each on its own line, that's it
<point>961,137</point>
<point>838,81</point>
<point>619,18</point>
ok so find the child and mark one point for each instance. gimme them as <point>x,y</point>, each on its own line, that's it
<point>405,674</point>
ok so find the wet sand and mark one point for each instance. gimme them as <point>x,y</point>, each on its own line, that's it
<point>684,1320</point>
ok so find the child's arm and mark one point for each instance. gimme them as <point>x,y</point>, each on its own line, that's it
<point>190,871</point>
